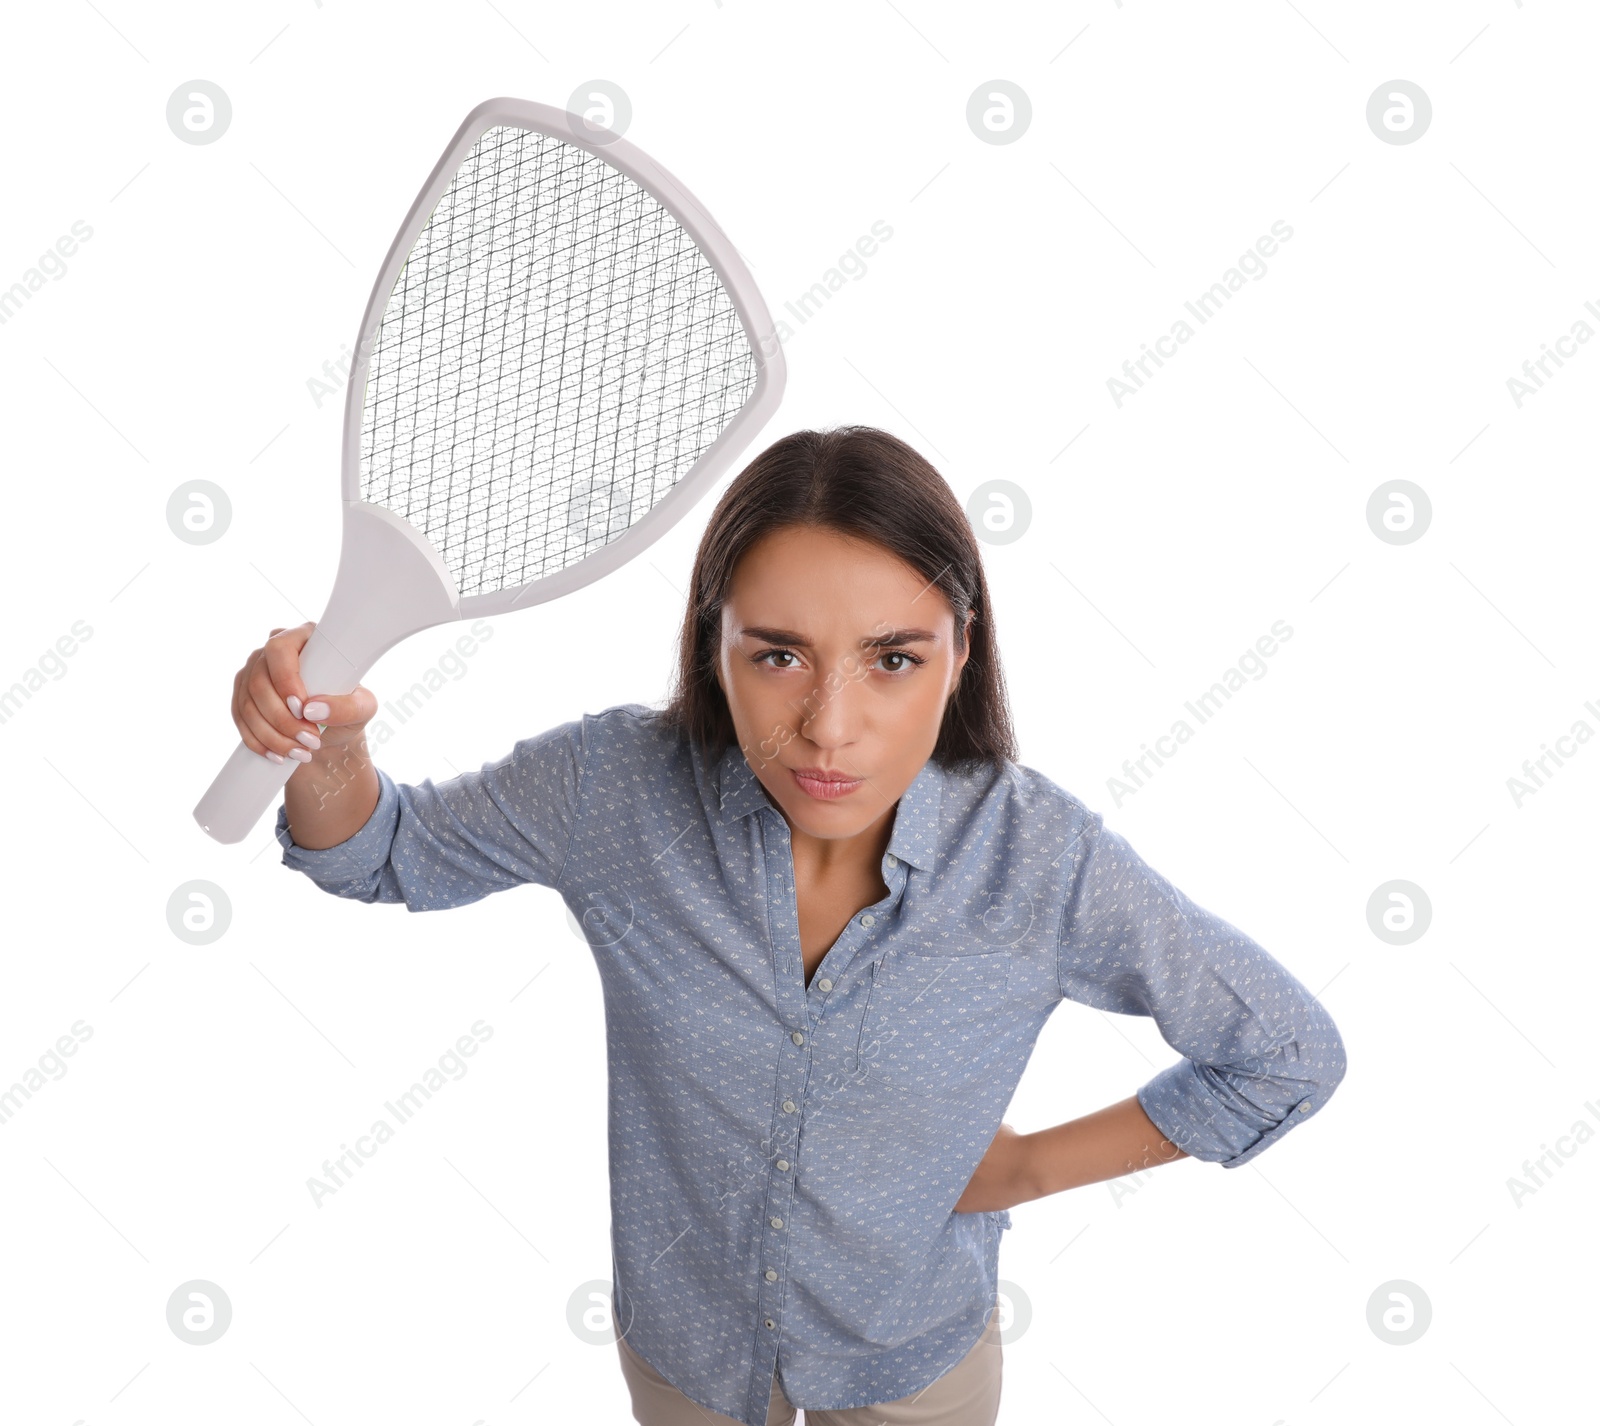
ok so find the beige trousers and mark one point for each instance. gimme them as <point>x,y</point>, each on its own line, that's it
<point>968,1394</point>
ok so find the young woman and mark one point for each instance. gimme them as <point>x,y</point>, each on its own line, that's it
<point>830,913</point>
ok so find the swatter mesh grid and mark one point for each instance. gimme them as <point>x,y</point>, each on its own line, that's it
<point>554,357</point>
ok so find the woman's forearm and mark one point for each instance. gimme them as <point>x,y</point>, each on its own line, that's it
<point>330,798</point>
<point>1111,1142</point>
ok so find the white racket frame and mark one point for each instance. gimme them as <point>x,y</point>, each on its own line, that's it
<point>392,581</point>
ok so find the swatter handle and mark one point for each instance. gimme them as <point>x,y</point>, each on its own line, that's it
<point>249,783</point>
<point>391,583</point>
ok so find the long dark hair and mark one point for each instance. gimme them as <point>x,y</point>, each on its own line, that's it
<point>862,482</point>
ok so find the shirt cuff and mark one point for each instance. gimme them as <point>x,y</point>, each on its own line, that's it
<point>1187,1108</point>
<point>353,864</point>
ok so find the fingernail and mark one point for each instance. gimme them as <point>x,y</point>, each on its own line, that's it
<point>315,712</point>
<point>294,704</point>
<point>311,740</point>
<point>300,755</point>
<point>276,757</point>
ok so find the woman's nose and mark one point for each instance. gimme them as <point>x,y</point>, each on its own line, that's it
<point>828,714</point>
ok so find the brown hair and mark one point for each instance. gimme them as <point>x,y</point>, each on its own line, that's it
<point>864,483</point>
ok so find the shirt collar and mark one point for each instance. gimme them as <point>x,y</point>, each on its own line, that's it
<point>915,838</point>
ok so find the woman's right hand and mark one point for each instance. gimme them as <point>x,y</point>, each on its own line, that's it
<point>269,698</point>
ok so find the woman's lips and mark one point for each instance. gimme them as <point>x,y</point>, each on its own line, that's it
<point>825,790</point>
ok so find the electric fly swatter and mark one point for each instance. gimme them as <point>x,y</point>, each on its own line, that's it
<point>560,355</point>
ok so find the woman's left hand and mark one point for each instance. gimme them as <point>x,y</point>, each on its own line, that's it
<point>1001,1179</point>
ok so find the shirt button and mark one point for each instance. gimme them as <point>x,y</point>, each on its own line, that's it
<point>776,1222</point>
<point>869,919</point>
<point>890,860</point>
<point>783,1165</point>
<point>824,985</point>
<point>771,1275</point>
<point>788,1106</point>
<point>1305,1108</point>
<point>769,1322</point>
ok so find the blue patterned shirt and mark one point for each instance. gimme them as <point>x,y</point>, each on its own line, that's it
<point>785,1157</point>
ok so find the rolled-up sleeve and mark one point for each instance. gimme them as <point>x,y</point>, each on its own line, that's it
<point>1261,1055</point>
<point>434,846</point>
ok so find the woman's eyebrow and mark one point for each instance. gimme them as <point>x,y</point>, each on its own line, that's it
<point>789,636</point>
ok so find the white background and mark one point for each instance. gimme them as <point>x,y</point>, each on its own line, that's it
<point>1168,534</point>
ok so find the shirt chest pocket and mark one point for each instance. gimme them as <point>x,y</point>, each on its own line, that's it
<point>933,1024</point>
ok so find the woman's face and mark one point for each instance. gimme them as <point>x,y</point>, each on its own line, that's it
<point>836,658</point>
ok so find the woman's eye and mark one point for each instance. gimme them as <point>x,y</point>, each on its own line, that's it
<point>770,657</point>
<point>901,654</point>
